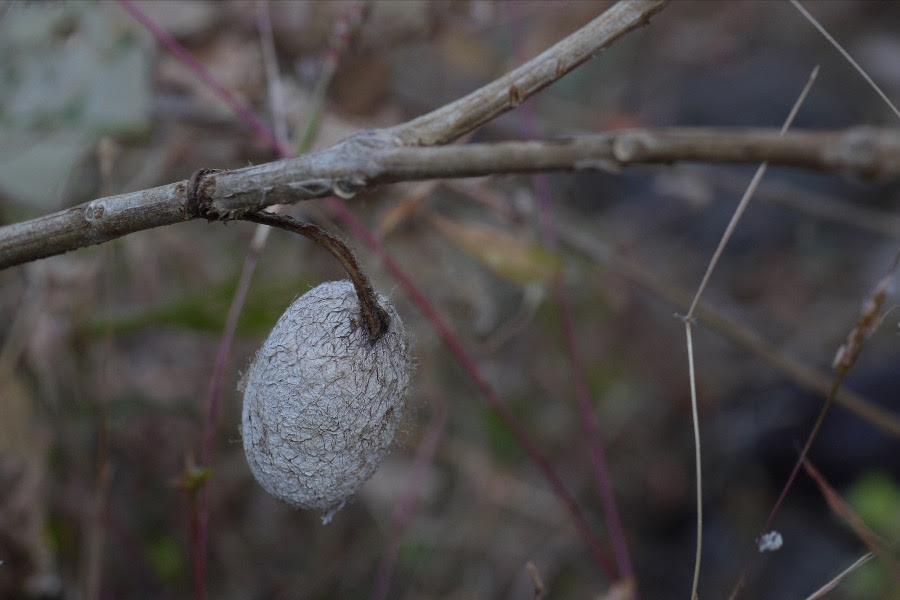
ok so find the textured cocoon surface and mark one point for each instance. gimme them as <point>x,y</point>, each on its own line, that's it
<point>321,404</point>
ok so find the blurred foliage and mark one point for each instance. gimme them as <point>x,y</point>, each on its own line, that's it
<point>114,351</point>
<point>876,498</point>
<point>205,310</point>
<point>68,77</point>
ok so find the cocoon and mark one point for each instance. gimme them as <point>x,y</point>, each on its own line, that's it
<point>321,402</point>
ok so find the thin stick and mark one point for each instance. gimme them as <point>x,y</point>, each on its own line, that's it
<point>748,193</point>
<point>820,593</point>
<point>375,319</point>
<point>698,465</point>
<point>742,336</point>
<point>846,55</point>
<point>732,225</point>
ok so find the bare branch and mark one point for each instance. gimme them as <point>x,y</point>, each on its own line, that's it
<point>372,157</point>
<point>404,153</point>
<point>506,93</point>
<point>341,170</point>
<point>91,223</point>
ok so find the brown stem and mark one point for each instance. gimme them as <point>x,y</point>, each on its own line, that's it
<point>375,319</point>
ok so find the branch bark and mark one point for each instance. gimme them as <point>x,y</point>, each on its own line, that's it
<point>375,157</point>
<point>343,169</point>
<point>506,93</point>
<point>408,152</point>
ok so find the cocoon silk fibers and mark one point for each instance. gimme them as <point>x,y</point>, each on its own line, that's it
<point>321,402</point>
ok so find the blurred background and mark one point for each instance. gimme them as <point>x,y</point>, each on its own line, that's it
<point>107,353</point>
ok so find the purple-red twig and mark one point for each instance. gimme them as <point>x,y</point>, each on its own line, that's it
<point>405,508</point>
<point>588,418</point>
<point>172,45</point>
<point>416,296</point>
<point>470,366</point>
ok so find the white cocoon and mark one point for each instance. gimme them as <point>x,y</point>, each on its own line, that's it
<point>322,404</point>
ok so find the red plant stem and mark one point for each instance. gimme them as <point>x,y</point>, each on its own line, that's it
<point>201,504</point>
<point>404,510</point>
<point>245,114</point>
<point>469,365</point>
<point>199,499</point>
<point>588,419</point>
<point>422,303</point>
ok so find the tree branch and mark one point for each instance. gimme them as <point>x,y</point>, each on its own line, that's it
<point>405,153</point>
<point>506,93</point>
<point>373,157</point>
<point>342,170</point>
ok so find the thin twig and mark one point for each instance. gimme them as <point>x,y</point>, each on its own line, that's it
<point>744,337</point>
<point>584,405</point>
<point>820,593</point>
<point>745,199</point>
<point>375,319</point>
<point>846,55</point>
<point>698,464</point>
<point>688,319</point>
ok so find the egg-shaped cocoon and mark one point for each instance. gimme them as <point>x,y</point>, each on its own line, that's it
<point>321,401</point>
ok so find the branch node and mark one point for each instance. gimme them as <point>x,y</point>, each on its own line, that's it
<point>94,210</point>
<point>628,147</point>
<point>199,191</point>
<point>515,95</point>
<point>348,188</point>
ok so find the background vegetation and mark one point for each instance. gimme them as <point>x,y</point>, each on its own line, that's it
<point>106,354</point>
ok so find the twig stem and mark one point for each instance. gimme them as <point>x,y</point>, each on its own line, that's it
<point>375,319</point>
